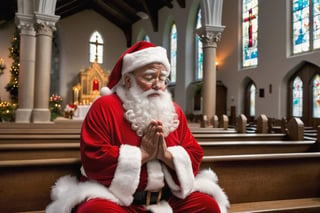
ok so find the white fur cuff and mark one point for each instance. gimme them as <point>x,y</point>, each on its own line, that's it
<point>183,168</point>
<point>127,175</point>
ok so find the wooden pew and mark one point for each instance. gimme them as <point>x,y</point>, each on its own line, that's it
<point>208,130</point>
<point>59,127</point>
<point>26,184</point>
<point>25,150</point>
<point>247,179</point>
<point>224,122</point>
<point>239,137</point>
<point>295,132</point>
<point>218,148</point>
<point>242,170</point>
<point>241,124</point>
<point>262,124</point>
<point>251,179</point>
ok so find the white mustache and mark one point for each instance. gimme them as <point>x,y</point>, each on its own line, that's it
<point>151,92</point>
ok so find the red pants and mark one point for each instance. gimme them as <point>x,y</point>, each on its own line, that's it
<point>195,202</point>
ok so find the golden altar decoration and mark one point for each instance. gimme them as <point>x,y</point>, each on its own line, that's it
<point>91,80</point>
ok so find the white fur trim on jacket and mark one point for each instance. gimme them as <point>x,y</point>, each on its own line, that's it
<point>155,176</point>
<point>207,182</point>
<point>68,192</point>
<point>183,168</point>
<point>127,174</point>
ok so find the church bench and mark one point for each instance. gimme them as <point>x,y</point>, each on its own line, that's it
<point>39,138</point>
<point>68,124</point>
<point>245,178</point>
<point>212,130</point>
<point>303,205</point>
<point>240,137</point>
<point>12,151</point>
<point>26,184</point>
<point>256,147</point>
<point>39,131</point>
<point>266,177</point>
<point>34,128</point>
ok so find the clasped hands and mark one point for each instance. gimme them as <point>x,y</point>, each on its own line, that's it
<point>153,145</point>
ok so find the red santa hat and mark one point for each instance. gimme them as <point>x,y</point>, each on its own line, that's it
<point>139,55</point>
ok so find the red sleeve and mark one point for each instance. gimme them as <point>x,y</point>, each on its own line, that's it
<point>183,137</point>
<point>98,152</point>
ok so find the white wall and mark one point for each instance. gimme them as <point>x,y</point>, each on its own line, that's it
<point>74,34</point>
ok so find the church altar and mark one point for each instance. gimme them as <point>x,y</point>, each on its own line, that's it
<point>81,112</point>
<point>91,80</point>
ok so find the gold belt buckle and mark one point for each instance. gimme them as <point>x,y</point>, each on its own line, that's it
<point>149,197</point>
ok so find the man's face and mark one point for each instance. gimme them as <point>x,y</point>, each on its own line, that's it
<point>151,76</point>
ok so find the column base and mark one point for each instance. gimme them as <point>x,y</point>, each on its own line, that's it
<point>41,115</point>
<point>23,115</point>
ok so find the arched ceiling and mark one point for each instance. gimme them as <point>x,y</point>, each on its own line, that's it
<point>122,13</point>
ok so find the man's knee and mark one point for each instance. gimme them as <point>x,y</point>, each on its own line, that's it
<point>207,203</point>
<point>99,206</point>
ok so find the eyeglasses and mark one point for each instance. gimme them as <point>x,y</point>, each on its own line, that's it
<point>151,77</point>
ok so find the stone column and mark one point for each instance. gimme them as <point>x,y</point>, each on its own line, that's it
<point>45,24</point>
<point>209,36</point>
<point>27,67</point>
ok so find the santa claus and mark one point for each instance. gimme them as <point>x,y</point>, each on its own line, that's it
<point>137,152</point>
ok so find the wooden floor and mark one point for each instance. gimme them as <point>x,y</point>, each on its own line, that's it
<point>292,205</point>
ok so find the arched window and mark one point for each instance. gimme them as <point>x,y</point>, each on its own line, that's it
<point>146,38</point>
<point>316,96</point>
<point>96,48</point>
<point>249,33</point>
<point>173,53</point>
<point>305,25</point>
<point>297,97</point>
<point>199,57</point>
<point>252,100</point>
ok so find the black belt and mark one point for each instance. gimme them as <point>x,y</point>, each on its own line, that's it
<point>149,197</point>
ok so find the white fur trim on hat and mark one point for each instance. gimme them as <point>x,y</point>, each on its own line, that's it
<point>105,91</point>
<point>140,58</point>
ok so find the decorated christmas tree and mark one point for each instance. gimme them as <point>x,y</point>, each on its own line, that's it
<point>12,86</point>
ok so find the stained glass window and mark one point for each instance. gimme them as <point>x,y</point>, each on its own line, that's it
<point>301,22</point>
<point>96,47</point>
<point>316,24</point>
<point>305,25</point>
<point>316,96</point>
<point>199,57</point>
<point>249,33</point>
<point>252,100</point>
<point>173,53</point>
<point>297,97</point>
<point>146,38</point>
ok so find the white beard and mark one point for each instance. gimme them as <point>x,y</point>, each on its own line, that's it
<point>141,109</point>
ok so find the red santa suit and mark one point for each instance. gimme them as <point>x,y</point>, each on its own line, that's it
<point>112,168</point>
